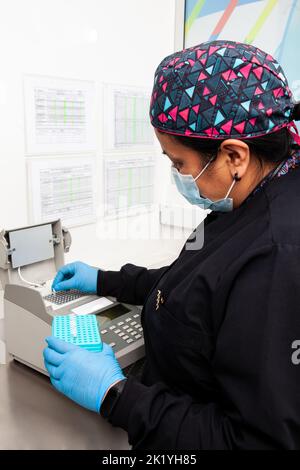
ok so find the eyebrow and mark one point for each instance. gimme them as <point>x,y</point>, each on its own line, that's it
<point>171,158</point>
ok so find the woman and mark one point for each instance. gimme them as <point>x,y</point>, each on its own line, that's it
<point>220,322</point>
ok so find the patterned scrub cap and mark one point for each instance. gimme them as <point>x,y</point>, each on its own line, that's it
<point>220,89</point>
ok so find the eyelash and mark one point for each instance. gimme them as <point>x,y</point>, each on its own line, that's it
<point>175,164</point>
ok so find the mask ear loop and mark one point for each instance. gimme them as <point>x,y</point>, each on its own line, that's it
<point>203,169</point>
<point>235,179</point>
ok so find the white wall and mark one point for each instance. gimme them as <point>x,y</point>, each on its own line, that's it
<point>120,41</point>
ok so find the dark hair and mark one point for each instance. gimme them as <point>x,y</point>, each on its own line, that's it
<point>271,148</point>
<point>296,112</point>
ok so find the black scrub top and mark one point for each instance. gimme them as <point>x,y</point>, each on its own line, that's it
<point>218,336</point>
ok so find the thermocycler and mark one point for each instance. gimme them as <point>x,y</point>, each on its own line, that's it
<point>29,259</point>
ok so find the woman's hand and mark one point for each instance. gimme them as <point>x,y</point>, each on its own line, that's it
<point>78,276</point>
<point>81,375</point>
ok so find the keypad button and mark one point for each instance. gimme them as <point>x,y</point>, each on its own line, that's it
<point>126,337</point>
<point>112,345</point>
<point>120,323</point>
<point>121,334</point>
<point>130,330</point>
<point>125,327</point>
<point>112,327</point>
<point>138,336</point>
<point>134,333</point>
<point>128,319</point>
<point>130,341</point>
<point>117,331</point>
<point>140,328</point>
<point>133,323</point>
<point>103,332</point>
<point>136,315</point>
<point>137,326</point>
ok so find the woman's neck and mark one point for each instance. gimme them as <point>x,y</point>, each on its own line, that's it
<point>245,186</point>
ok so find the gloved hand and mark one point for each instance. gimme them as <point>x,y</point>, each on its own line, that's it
<point>81,375</point>
<point>76,275</point>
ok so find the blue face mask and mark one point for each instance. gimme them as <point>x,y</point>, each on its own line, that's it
<point>187,186</point>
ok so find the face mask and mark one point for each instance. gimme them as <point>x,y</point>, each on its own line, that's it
<point>188,188</point>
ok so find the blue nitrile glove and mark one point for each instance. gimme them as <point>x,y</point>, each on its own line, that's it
<point>78,276</point>
<point>81,375</point>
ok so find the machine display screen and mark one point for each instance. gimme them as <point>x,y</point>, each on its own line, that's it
<point>110,314</point>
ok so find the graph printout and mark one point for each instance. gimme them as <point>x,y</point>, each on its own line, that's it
<point>59,115</point>
<point>62,188</point>
<point>126,118</point>
<point>129,184</point>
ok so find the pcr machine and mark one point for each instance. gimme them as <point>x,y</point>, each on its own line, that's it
<point>29,259</point>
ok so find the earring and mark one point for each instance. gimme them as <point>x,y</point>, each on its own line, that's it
<point>237,177</point>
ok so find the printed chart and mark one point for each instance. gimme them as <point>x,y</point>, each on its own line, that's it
<point>62,188</point>
<point>129,183</point>
<point>60,115</point>
<point>126,119</point>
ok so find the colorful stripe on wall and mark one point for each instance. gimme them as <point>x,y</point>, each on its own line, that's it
<point>260,21</point>
<point>223,20</point>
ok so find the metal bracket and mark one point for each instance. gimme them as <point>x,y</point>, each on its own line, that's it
<point>55,239</point>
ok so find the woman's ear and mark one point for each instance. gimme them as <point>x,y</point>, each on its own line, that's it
<point>237,156</point>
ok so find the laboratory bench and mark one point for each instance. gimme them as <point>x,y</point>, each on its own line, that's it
<point>33,415</point>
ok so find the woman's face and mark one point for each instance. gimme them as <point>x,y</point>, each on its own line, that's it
<point>233,158</point>
<point>215,180</point>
